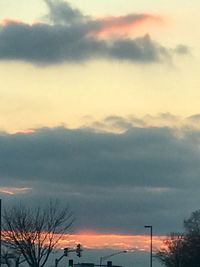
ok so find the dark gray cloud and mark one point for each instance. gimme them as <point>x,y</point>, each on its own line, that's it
<point>141,49</point>
<point>72,37</point>
<point>114,182</point>
<point>61,12</point>
<point>136,157</point>
<point>48,44</point>
<point>182,49</point>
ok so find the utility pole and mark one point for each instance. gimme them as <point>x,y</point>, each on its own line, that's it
<point>151,243</point>
<point>0,234</point>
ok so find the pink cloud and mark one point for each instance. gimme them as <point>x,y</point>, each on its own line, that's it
<point>24,131</point>
<point>14,190</point>
<point>7,21</point>
<point>124,24</point>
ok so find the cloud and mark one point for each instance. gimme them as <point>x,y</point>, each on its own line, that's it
<point>61,12</point>
<point>123,24</point>
<point>194,118</point>
<point>113,182</point>
<point>182,50</point>
<point>118,124</point>
<point>13,190</point>
<point>46,44</point>
<point>72,37</point>
<point>94,154</point>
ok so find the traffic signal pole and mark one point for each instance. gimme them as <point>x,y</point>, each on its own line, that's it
<point>57,260</point>
<point>78,251</point>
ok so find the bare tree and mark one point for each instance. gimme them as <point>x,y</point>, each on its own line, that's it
<point>171,253</point>
<point>183,250</point>
<point>34,233</point>
<point>6,257</point>
<point>11,258</point>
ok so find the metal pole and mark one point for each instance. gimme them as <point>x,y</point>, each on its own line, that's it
<point>0,233</point>
<point>57,260</point>
<point>151,243</point>
<point>111,255</point>
<point>100,261</point>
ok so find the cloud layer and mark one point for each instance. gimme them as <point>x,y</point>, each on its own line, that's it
<point>70,36</point>
<point>120,124</point>
<point>113,182</point>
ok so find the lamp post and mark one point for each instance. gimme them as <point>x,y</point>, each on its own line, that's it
<point>151,245</point>
<point>111,255</point>
<point>0,233</point>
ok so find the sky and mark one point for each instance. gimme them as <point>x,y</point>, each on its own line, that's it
<point>99,108</point>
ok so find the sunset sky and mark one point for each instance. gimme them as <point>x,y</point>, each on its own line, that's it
<point>99,108</point>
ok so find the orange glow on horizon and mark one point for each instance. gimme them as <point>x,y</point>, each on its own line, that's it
<point>92,240</point>
<point>117,241</point>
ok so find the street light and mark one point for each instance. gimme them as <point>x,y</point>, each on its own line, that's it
<point>0,233</point>
<point>151,234</point>
<point>111,255</point>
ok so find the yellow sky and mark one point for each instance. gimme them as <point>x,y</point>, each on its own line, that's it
<point>34,96</point>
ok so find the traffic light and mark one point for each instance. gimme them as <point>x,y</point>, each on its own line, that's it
<point>78,250</point>
<point>65,251</point>
<point>70,264</point>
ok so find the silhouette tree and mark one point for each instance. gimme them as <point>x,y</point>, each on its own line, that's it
<point>35,232</point>
<point>192,236</point>
<point>183,250</point>
<point>171,253</point>
<point>6,258</point>
<point>11,258</point>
